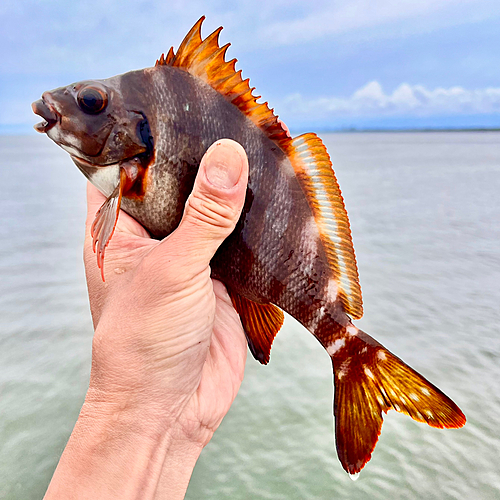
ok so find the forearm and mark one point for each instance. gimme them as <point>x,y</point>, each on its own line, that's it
<point>116,452</point>
<point>177,469</point>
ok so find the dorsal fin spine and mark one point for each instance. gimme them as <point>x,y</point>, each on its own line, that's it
<point>212,35</point>
<point>242,98</point>
<point>211,60</point>
<point>218,55</point>
<point>206,60</point>
<point>192,38</point>
<point>169,56</point>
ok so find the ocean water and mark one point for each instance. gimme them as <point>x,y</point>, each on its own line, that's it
<point>425,217</point>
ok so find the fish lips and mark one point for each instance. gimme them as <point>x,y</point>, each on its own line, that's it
<point>47,112</point>
<point>82,163</point>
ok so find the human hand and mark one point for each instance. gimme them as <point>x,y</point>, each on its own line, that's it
<point>169,350</point>
<point>159,294</point>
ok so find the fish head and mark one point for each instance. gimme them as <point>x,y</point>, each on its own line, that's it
<point>95,124</point>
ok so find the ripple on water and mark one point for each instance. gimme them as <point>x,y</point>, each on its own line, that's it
<point>425,216</point>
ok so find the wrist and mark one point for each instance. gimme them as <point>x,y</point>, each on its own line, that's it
<point>116,451</point>
<point>125,380</point>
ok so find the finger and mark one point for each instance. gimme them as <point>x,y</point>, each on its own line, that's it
<point>214,206</point>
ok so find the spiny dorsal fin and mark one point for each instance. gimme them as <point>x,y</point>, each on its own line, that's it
<point>205,59</point>
<point>165,59</point>
<point>261,323</point>
<point>313,168</point>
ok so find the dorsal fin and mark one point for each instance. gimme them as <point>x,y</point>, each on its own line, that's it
<point>261,323</point>
<point>313,168</point>
<point>205,59</point>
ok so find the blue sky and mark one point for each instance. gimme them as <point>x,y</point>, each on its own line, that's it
<point>320,64</point>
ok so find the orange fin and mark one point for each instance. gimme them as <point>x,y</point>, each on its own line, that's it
<point>313,168</point>
<point>261,323</point>
<point>166,59</point>
<point>206,60</point>
<point>369,381</point>
<point>105,221</point>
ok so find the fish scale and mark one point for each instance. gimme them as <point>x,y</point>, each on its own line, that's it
<point>291,249</point>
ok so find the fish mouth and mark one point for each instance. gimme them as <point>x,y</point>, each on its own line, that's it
<point>47,112</point>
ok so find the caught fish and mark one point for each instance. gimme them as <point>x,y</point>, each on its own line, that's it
<point>139,138</point>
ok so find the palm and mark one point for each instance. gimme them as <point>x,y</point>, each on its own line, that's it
<point>224,367</point>
<point>221,371</point>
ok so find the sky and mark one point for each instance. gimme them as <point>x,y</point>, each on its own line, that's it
<point>323,65</point>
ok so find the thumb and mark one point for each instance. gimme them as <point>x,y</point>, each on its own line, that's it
<point>214,206</point>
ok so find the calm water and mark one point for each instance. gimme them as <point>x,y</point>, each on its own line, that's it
<point>425,213</point>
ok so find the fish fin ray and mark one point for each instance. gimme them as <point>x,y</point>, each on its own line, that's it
<point>205,59</point>
<point>313,168</point>
<point>165,60</point>
<point>369,381</point>
<point>105,221</point>
<point>261,323</point>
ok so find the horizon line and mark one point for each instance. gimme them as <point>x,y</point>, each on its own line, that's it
<point>331,130</point>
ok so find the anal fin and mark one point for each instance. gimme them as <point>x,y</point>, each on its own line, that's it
<point>261,323</point>
<point>105,221</point>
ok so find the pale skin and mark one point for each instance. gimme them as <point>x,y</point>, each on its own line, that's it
<point>168,353</point>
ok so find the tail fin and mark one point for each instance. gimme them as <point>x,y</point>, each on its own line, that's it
<point>369,381</point>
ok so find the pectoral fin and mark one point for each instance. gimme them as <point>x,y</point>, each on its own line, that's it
<point>261,323</point>
<point>105,221</point>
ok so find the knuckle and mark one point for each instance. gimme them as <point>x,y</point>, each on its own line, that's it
<point>212,212</point>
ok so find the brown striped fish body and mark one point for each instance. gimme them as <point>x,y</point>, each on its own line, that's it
<point>140,137</point>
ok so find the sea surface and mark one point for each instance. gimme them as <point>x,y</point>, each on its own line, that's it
<point>425,217</point>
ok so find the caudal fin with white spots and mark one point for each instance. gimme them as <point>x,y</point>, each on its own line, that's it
<point>369,381</point>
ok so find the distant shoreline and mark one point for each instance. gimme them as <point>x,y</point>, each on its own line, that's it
<point>347,130</point>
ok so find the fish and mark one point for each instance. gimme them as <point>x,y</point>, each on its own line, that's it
<point>139,138</point>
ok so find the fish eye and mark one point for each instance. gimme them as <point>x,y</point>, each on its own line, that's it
<point>92,100</point>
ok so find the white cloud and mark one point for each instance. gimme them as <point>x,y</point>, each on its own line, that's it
<point>326,18</point>
<point>405,100</point>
